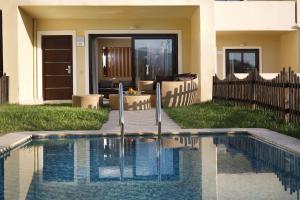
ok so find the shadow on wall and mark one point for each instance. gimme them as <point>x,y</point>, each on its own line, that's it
<point>138,105</point>
<point>179,93</point>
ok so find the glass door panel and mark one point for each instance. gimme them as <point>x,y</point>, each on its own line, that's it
<point>154,56</point>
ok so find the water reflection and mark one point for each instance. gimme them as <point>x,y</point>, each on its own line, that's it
<point>55,159</point>
<point>260,158</point>
<point>140,161</point>
<point>219,167</point>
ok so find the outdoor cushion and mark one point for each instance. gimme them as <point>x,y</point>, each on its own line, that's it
<point>106,84</point>
<point>186,77</point>
<point>127,84</point>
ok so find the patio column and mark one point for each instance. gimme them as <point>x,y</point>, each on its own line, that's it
<point>203,47</point>
<point>207,48</point>
<point>10,46</point>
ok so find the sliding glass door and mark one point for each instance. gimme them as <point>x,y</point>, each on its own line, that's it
<point>154,56</point>
<point>129,58</point>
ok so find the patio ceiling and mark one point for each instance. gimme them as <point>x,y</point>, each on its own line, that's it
<point>250,33</point>
<point>110,12</point>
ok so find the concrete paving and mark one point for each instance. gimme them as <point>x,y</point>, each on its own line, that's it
<point>143,123</point>
<point>139,121</point>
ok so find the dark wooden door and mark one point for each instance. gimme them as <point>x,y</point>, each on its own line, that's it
<point>57,67</point>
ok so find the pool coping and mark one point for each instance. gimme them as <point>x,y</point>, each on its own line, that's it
<point>12,140</point>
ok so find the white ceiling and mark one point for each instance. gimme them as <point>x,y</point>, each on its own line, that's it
<point>110,12</point>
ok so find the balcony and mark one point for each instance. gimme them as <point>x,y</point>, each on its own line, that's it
<point>255,15</point>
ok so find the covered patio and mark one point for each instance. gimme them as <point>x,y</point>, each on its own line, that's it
<point>83,22</point>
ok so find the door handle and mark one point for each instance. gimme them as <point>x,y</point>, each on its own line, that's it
<point>147,69</point>
<point>69,69</point>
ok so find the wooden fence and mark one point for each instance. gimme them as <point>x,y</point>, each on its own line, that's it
<point>4,81</point>
<point>280,95</point>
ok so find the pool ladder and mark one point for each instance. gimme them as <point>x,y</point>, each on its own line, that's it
<point>122,124</point>
<point>158,123</point>
<point>158,109</point>
<point>121,109</point>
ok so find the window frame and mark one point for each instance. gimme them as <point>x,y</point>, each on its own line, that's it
<point>244,49</point>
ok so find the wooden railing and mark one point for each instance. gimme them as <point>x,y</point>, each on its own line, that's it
<point>4,81</point>
<point>280,95</point>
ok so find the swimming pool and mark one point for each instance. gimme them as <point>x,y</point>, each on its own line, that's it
<point>177,167</point>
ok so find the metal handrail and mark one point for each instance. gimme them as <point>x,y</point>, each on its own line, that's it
<point>121,105</point>
<point>121,123</point>
<point>158,108</point>
<point>158,122</point>
<point>159,145</point>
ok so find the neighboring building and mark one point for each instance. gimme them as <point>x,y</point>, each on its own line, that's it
<point>55,48</point>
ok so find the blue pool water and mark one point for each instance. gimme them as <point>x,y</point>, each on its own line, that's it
<point>175,168</point>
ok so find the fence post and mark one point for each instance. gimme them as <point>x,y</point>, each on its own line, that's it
<point>7,88</point>
<point>214,89</point>
<point>252,86</point>
<point>228,87</point>
<point>4,95</point>
<point>286,95</point>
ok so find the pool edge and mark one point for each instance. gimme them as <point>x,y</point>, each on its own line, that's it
<point>12,140</point>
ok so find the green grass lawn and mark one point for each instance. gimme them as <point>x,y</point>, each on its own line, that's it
<point>15,118</point>
<point>211,115</point>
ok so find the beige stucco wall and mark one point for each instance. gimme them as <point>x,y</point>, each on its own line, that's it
<point>278,49</point>
<point>25,58</point>
<point>195,46</point>
<point>290,53</point>
<point>10,45</point>
<point>111,2</point>
<point>198,48</point>
<point>203,48</point>
<point>198,36</point>
<point>207,49</point>
<point>255,15</point>
<point>17,51</point>
<point>269,44</point>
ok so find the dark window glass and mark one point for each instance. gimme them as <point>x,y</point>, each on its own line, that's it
<point>241,60</point>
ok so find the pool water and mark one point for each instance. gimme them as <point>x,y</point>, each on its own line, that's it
<point>177,168</point>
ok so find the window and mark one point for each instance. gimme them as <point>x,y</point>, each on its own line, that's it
<point>1,46</point>
<point>241,60</point>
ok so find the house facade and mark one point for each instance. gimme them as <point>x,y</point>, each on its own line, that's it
<point>52,49</point>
